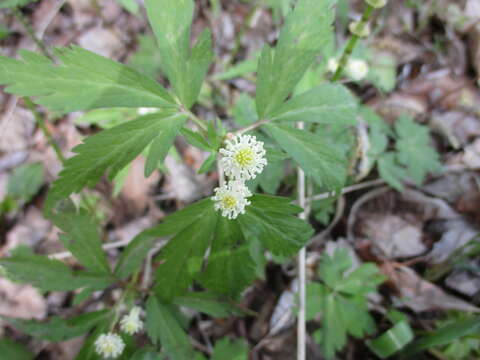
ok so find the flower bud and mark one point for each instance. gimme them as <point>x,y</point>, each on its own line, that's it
<point>356,28</point>
<point>357,69</point>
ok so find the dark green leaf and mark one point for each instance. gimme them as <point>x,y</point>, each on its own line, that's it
<point>195,139</point>
<point>147,354</point>
<point>8,4</point>
<point>207,303</point>
<point>58,329</point>
<point>230,349</point>
<point>163,328</point>
<point>390,171</point>
<point>208,164</point>
<point>271,220</point>
<point>103,82</point>
<point>230,268</point>
<point>14,351</point>
<point>183,255</point>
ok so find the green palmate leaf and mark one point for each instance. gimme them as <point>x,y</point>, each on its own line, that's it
<point>82,239</point>
<point>392,341</point>
<point>111,150</point>
<point>390,171</point>
<point>207,303</point>
<point>342,300</point>
<point>49,275</point>
<point>103,82</point>
<point>195,139</point>
<point>26,181</point>
<point>183,256</point>
<point>147,57</point>
<point>414,149</point>
<point>230,349</point>
<point>163,328</point>
<point>314,154</point>
<point>11,350</point>
<point>325,104</point>
<point>186,68</point>
<point>271,220</point>
<point>244,111</point>
<point>230,268</point>
<point>305,32</point>
<point>58,329</point>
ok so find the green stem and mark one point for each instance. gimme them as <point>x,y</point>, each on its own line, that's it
<point>118,306</point>
<point>351,43</point>
<point>31,33</point>
<point>42,125</point>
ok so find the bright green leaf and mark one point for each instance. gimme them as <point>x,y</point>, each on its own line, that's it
<point>8,4</point>
<point>111,150</point>
<point>390,171</point>
<point>230,349</point>
<point>324,104</point>
<point>25,181</point>
<point>392,341</point>
<point>14,351</point>
<point>83,81</point>
<point>304,33</point>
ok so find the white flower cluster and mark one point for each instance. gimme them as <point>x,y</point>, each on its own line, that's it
<point>111,345</point>
<point>131,323</point>
<point>243,158</point>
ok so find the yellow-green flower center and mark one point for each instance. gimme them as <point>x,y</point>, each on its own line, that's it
<point>244,157</point>
<point>229,202</point>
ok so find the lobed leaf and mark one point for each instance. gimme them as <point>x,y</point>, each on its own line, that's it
<point>82,81</point>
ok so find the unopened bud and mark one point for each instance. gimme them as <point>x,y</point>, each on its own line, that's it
<point>360,29</point>
<point>376,3</point>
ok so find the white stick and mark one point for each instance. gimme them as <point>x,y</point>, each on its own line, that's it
<point>301,328</point>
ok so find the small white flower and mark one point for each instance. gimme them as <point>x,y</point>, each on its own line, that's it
<point>109,345</point>
<point>243,157</point>
<point>131,323</point>
<point>332,65</point>
<point>357,69</point>
<point>231,199</point>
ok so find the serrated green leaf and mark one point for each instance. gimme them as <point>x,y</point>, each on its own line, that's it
<point>183,256</point>
<point>103,82</point>
<point>47,274</point>
<point>392,340</point>
<point>14,351</point>
<point>111,150</point>
<point>314,154</point>
<point>240,69</point>
<point>271,220</point>
<point>207,303</point>
<point>25,181</point>
<point>230,268</point>
<point>8,4</point>
<point>304,33</point>
<point>82,239</point>
<point>414,149</point>
<point>147,57</point>
<point>324,104</point>
<point>162,327</point>
<point>171,21</point>
<point>57,329</point>
<point>229,349</point>
<point>160,146</point>
<point>342,300</point>
<point>244,112</point>
<point>390,171</point>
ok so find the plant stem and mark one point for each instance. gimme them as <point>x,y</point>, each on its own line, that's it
<point>42,125</point>
<point>31,33</point>
<point>301,327</point>
<point>252,126</point>
<point>351,44</point>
